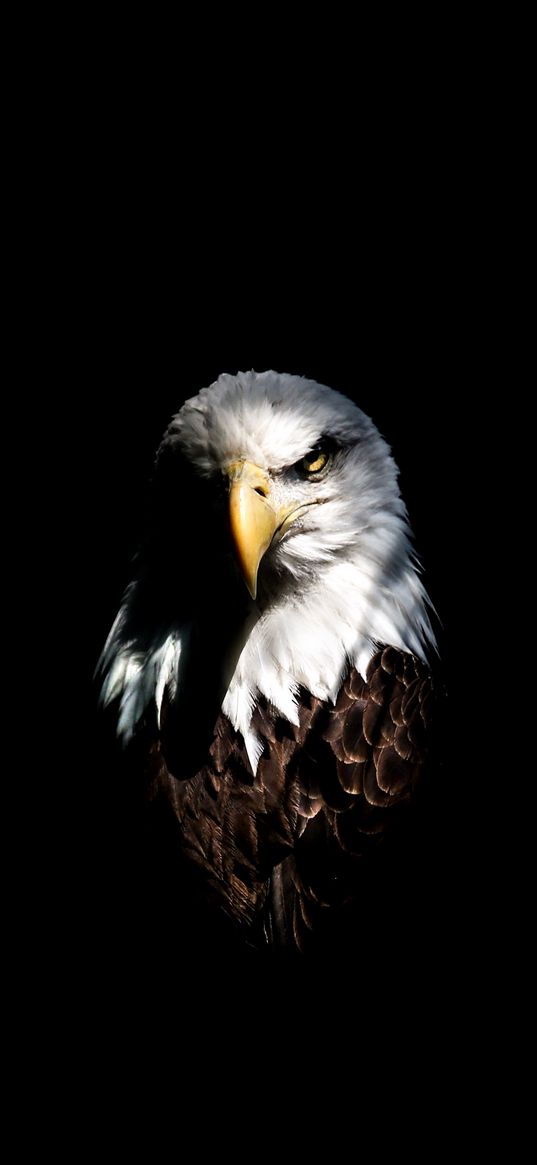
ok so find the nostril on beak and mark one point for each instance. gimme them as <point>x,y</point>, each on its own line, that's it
<point>261,491</point>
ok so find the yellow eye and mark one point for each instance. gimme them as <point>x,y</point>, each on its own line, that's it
<point>315,461</point>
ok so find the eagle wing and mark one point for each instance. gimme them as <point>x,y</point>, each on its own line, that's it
<point>367,764</point>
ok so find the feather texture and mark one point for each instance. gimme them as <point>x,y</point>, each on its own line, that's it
<point>317,803</point>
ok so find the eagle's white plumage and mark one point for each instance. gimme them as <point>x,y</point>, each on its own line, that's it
<point>341,580</point>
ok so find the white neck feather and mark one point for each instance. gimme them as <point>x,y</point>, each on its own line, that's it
<point>312,640</point>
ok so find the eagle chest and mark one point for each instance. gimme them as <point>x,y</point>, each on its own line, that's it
<point>291,839</point>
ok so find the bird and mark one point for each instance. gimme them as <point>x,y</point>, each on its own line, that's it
<point>270,673</point>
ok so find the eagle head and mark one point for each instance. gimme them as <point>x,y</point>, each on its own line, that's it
<point>312,519</point>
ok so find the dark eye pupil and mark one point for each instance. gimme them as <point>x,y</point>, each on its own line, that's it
<point>315,460</point>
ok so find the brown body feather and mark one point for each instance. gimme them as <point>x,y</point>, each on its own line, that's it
<point>279,854</point>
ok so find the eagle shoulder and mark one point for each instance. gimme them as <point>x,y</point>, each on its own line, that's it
<point>364,761</point>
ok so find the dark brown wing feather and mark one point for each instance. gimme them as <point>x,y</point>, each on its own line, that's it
<point>279,854</point>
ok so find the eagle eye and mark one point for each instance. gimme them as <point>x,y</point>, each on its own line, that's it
<point>316,462</point>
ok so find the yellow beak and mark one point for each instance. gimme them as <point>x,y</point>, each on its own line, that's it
<point>255,522</point>
<point>252,516</point>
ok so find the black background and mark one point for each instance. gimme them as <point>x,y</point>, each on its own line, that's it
<point>332,210</point>
<point>398,361</point>
<point>151,300</point>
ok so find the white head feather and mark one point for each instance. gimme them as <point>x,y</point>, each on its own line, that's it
<point>341,581</point>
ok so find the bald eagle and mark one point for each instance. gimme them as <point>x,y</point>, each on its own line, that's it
<point>269,671</point>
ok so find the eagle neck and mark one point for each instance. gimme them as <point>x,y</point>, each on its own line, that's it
<point>311,639</point>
